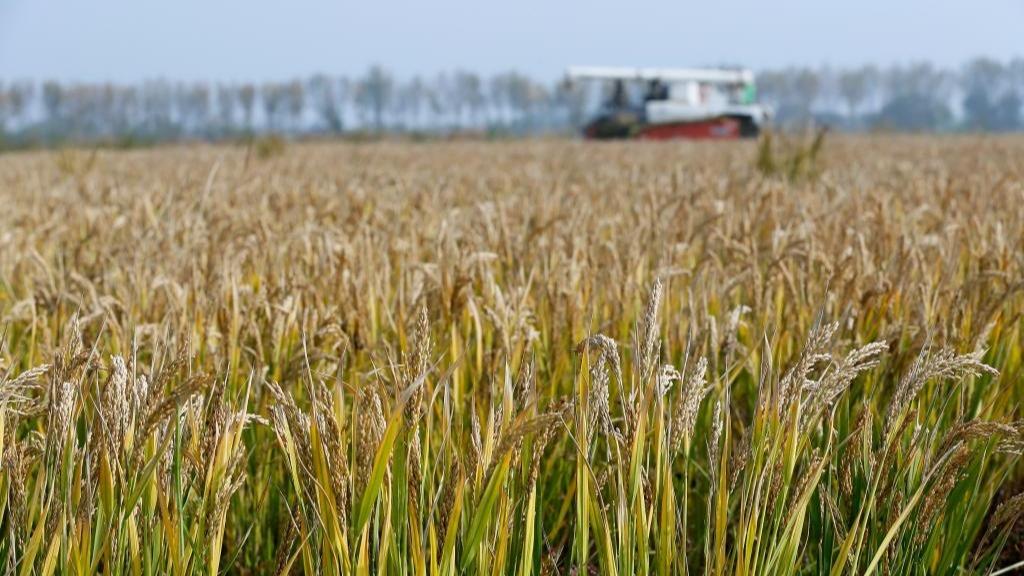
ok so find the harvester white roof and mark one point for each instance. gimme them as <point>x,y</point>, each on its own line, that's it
<point>708,75</point>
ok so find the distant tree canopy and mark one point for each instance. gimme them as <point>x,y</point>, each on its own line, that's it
<point>913,112</point>
<point>983,95</point>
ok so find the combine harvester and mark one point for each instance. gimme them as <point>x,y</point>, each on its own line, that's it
<point>677,103</point>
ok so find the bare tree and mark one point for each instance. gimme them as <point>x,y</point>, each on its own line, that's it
<point>328,97</point>
<point>17,99</point>
<point>126,110</point>
<point>53,101</point>
<point>446,105</point>
<point>571,98</point>
<point>808,88</point>
<point>519,96</point>
<point>991,101</point>
<point>374,95</point>
<point>412,95</point>
<point>227,97</point>
<point>5,106</point>
<point>273,97</point>
<point>247,100</point>
<point>854,86</point>
<point>468,92</point>
<point>194,107</point>
<point>435,100</point>
<point>498,95</point>
<point>295,103</point>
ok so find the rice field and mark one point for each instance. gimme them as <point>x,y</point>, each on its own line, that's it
<point>535,357</point>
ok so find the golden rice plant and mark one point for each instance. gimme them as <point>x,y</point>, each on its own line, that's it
<point>522,358</point>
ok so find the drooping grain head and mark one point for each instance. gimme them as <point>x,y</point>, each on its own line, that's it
<point>648,331</point>
<point>369,432</point>
<point>944,364</point>
<point>684,418</point>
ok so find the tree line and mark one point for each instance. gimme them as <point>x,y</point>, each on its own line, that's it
<point>982,95</point>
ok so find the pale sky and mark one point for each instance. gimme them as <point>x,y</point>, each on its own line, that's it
<point>130,40</point>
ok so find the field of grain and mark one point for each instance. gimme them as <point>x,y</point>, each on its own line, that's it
<point>543,357</point>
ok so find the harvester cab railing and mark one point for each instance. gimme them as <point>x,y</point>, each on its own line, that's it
<point>693,85</point>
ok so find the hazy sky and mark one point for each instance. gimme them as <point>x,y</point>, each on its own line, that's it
<point>127,40</point>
